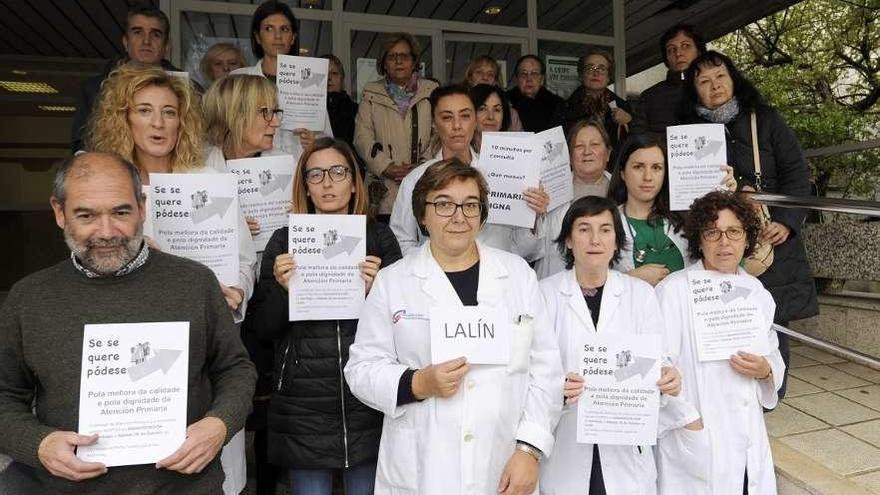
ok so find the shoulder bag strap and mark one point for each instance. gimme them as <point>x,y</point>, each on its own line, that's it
<point>414,135</point>
<point>756,155</point>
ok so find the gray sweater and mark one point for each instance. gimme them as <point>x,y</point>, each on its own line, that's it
<point>41,337</point>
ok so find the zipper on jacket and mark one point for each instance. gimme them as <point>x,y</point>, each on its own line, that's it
<point>283,366</point>
<point>342,391</point>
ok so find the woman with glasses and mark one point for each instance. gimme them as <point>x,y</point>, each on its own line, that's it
<point>274,31</point>
<point>454,426</point>
<point>716,92</point>
<point>594,100</point>
<point>317,429</point>
<point>726,451</point>
<point>534,102</point>
<point>654,245</point>
<point>241,120</point>
<point>455,122</point>
<point>153,119</point>
<point>393,124</point>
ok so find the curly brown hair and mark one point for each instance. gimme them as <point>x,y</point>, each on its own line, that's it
<point>109,130</point>
<point>704,213</point>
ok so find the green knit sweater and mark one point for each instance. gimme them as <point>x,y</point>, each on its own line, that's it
<point>41,338</point>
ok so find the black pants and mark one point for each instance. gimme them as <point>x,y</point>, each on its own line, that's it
<point>597,482</point>
<point>786,358</point>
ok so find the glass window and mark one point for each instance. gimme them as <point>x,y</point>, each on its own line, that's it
<point>459,54</point>
<point>198,31</point>
<point>500,12</point>
<point>576,16</point>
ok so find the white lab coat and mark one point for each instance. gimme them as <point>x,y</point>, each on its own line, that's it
<point>517,240</point>
<point>458,444</point>
<point>628,306</point>
<point>626,262</point>
<point>285,140</point>
<point>712,461</point>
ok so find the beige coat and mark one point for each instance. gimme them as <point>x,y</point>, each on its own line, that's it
<point>382,136</point>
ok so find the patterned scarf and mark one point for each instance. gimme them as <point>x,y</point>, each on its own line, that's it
<point>137,262</point>
<point>721,115</point>
<point>596,104</point>
<point>402,95</point>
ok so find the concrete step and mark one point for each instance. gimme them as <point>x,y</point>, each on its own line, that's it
<point>797,474</point>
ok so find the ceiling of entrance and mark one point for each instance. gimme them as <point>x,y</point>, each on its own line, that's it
<point>62,42</point>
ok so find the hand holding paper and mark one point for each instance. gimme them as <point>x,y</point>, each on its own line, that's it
<point>439,380</point>
<point>670,381</point>
<point>537,199</point>
<point>56,453</point>
<point>573,387</point>
<point>369,269</point>
<point>204,438</point>
<point>750,365</point>
<point>285,267</point>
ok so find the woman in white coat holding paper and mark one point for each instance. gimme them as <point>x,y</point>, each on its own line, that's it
<point>727,451</point>
<point>454,426</point>
<point>274,31</point>
<point>455,121</point>
<point>588,298</point>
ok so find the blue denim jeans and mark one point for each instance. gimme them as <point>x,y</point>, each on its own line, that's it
<point>358,480</point>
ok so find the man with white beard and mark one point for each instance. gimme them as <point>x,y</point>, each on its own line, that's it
<point>112,276</point>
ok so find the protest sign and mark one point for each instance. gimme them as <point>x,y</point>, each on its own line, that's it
<point>265,191</point>
<point>133,391</point>
<point>328,250</point>
<point>302,91</point>
<point>620,403</point>
<point>196,216</point>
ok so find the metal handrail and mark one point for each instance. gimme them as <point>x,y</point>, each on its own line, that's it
<point>838,205</point>
<point>854,356</point>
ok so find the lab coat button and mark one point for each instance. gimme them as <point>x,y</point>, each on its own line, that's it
<point>468,437</point>
<point>471,384</point>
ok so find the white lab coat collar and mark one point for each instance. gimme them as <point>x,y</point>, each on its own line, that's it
<point>436,284</point>
<point>698,265</point>
<point>474,156</point>
<point>610,298</point>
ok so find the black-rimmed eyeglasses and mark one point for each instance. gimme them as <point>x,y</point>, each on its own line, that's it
<point>443,208</point>
<point>337,173</point>
<point>271,113</point>
<point>714,235</point>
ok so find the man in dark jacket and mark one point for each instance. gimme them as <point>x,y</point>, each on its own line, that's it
<point>533,101</point>
<point>145,41</point>
<point>658,105</point>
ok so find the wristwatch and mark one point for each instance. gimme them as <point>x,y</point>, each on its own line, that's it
<point>530,449</point>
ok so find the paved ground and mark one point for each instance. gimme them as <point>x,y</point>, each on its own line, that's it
<point>826,433</point>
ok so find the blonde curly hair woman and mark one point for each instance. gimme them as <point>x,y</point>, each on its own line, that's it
<point>149,117</point>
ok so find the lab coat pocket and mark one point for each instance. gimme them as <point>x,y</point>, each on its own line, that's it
<point>696,455</point>
<point>398,458</point>
<point>522,331</point>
